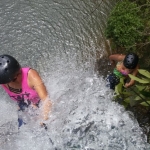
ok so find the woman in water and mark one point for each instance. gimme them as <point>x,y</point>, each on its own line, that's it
<point>124,65</point>
<point>23,85</point>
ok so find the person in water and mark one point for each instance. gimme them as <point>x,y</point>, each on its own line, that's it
<point>23,85</point>
<point>123,65</point>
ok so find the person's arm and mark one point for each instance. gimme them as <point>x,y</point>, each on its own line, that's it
<point>131,82</point>
<point>115,58</point>
<point>35,81</point>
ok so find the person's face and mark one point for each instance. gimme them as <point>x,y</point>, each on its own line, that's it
<point>17,76</point>
<point>124,70</point>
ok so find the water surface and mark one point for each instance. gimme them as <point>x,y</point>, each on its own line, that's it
<point>62,40</point>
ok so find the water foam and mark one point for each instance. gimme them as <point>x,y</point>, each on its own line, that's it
<point>83,117</point>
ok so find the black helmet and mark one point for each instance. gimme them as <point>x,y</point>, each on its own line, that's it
<point>130,61</point>
<point>9,66</point>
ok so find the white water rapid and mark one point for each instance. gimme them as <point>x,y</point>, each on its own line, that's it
<point>62,40</point>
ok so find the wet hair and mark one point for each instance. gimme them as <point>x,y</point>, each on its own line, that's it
<point>131,60</point>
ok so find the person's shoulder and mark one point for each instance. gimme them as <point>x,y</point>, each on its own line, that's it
<point>34,77</point>
<point>33,72</point>
<point>117,57</point>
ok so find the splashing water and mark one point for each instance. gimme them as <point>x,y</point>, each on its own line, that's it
<point>83,117</point>
<point>61,40</point>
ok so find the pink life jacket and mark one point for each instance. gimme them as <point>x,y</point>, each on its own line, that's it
<point>27,94</point>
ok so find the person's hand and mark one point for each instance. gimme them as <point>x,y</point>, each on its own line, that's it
<point>34,106</point>
<point>127,85</point>
<point>43,125</point>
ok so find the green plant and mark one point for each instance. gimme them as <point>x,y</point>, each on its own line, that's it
<point>142,87</point>
<point>121,94</point>
<point>124,26</point>
<point>138,94</point>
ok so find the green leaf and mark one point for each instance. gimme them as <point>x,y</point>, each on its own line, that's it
<point>140,87</point>
<point>137,98</point>
<point>126,93</point>
<point>140,95</point>
<point>119,87</point>
<point>138,79</point>
<point>145,104</point>
<point>144,72</point>
<point>145,78</point>
<point>127,100</point>
<point>122,80</point>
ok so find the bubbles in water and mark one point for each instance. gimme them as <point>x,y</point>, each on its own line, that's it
<point>61,40</point>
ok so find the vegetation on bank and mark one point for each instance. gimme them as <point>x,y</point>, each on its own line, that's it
<point>137,94</point>
<point>125,26</point>
<point>128,30</point>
